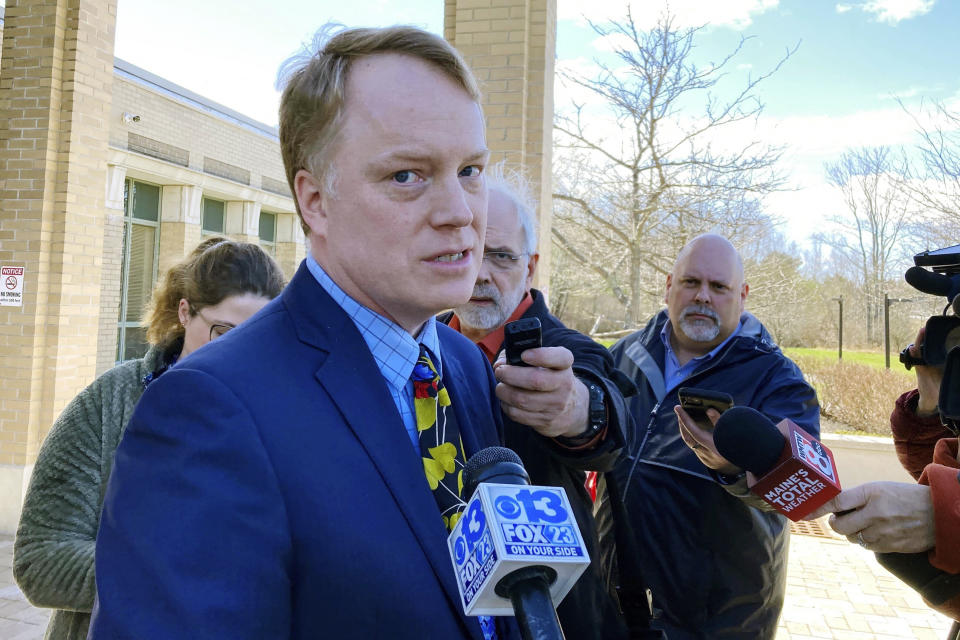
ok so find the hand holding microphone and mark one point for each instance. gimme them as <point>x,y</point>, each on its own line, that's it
<point>790,470</point>
<point>884,516</point>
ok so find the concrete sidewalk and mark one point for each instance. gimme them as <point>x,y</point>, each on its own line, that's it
<point>837,590</point>
<point>834,590</point>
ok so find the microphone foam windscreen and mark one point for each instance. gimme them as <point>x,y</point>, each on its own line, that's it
<point>930,282</point>
<point>748,439</point>
<point>498,465</point>
<point>490,456</point>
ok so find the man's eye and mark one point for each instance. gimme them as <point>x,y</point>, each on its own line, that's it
<point>470,172</point>
<point>405,177</point>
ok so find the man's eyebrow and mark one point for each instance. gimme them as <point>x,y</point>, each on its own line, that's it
<point>499,249</point>
<point>407,155</point>
<point>482,154</point>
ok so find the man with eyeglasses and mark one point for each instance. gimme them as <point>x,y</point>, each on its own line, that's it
<point>565,413</point>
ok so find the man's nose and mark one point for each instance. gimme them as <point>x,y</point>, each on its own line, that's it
<point>703,294</point>
<point>484,274</point>
<point>451,204</point>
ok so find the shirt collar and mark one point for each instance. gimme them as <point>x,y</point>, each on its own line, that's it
<point>394,350</point>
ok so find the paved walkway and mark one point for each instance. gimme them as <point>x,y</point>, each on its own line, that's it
<point>835,590</point>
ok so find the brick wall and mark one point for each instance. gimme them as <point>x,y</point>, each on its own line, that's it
<point>172,121</point>
<point>510,45</point>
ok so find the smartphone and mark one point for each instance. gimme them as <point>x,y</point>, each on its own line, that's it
<point>520,335</point>
<point>696,402</point>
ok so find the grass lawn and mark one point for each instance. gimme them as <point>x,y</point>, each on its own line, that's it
<point>872,358</point>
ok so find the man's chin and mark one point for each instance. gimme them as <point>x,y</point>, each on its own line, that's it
<point>704,337</point>
<point>482,318</point>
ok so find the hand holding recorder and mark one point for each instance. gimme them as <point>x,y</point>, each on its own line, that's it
<point>537,385</point>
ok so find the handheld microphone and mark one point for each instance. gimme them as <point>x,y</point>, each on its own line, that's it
<point>931,282</point>
<point>796,474</point>
<point>517,548</point>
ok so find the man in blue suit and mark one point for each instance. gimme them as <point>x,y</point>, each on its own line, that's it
<point>271,485</point>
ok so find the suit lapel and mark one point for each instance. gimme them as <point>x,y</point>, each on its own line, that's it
<point>350,377</point>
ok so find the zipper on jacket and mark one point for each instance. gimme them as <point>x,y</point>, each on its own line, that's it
<point>635,457</point>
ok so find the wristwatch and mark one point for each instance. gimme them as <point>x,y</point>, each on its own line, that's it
<point>597,409</point>
<point>596,415</point>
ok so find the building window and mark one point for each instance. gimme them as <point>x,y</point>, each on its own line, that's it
<point>212,221</point>
<point>268,232</point>
<point>141,241</point>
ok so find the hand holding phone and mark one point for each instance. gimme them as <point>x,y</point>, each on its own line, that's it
<point>696,402</point>
<point>520,335</point>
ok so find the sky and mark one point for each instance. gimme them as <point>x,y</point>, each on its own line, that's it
<point>838,91</point>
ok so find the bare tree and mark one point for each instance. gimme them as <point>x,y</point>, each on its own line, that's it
<point>625,203</point>
<point>870,231</point>
<point>935,185</point>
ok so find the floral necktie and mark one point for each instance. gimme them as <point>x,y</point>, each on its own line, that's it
<point>440,445</point>
<point>442,450</point>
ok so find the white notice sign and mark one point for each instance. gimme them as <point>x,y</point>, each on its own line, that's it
<point>11,286</point>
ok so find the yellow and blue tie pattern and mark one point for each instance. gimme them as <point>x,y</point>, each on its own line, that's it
<point>440,445</point>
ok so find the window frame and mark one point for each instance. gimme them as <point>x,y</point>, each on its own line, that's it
<point>123,325</point>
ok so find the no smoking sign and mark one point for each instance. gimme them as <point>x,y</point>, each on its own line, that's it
<point>11,294</point>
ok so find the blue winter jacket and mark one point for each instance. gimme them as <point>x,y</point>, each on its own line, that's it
<point>716,566</point>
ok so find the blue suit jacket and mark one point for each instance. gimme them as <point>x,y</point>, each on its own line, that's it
<point>266,488</point>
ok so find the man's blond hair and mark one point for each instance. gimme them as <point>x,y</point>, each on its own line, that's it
<point>314,89</point>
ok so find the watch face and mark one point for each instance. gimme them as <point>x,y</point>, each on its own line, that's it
<point>598,412</point>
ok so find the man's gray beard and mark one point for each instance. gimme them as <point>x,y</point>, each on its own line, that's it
<point>697,331</point>
<point>488,318</point>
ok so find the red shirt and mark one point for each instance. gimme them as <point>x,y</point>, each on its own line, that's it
<point>490,345</point>
<point>493,341</point>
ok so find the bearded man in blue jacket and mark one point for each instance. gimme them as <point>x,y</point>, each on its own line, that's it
<point>674,517</point>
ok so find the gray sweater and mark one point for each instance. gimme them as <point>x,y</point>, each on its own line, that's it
<point>53,552</point>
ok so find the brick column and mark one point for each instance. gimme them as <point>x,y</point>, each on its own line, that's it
<point>291,244</point>
<point>55,97</point>
<point>511,45</point>
<point>180,215</point>
<point>242,221</point>
<point>111,273</point>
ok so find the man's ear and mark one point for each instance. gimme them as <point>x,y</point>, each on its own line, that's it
<point>311,199</point>
<point>532,269</point>
<point>666,291</point>
<point>744,290</point>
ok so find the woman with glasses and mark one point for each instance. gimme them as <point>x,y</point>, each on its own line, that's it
<point>218,286</point>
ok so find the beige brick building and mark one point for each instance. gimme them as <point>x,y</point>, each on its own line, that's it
<point>110,174</point>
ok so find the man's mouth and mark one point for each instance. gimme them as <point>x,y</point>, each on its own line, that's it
<point>450,257</point>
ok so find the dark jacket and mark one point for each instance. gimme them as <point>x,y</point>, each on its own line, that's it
<point>587,611</point>
<point>716,566</point>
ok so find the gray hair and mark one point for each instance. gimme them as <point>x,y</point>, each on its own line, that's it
<point>516,187</point>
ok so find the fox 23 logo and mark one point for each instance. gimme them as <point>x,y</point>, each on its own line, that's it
<point>533,506</point>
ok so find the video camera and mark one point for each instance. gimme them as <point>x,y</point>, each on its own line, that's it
<point>941,341</point>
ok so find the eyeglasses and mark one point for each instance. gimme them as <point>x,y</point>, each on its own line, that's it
<point>216,329</point>
<point>502,260</point>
